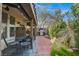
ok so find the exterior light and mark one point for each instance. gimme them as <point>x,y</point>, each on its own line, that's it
<point>18,6</point>
<point>28,27</point>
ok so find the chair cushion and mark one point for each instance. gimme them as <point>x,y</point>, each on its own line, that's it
<point>25,43</point>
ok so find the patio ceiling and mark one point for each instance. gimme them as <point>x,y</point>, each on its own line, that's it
<point>28,9</point>
<point>25,8</point>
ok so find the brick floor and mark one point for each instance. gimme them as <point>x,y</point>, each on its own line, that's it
<point>43,46</point>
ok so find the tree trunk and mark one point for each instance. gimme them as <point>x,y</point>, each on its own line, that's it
<point>72,36</point>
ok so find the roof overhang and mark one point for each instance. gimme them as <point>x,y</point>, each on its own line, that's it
<point>30,9</point>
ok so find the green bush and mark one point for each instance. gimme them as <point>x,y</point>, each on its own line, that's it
<point>55,28</point>
<point>62,52</point>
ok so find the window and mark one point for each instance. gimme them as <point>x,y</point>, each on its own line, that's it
<point>4,17</point>
<point>4,34</point>
<point>12,20</point>
<point>12,31</point>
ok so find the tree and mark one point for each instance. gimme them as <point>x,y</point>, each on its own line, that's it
<point>70,30</point>
<point>42,14</point>
<point>58,15</point>
<point>75,10</point>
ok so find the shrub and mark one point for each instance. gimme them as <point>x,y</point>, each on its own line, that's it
<point>62,52</point>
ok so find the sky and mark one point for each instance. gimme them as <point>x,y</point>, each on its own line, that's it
<point>53,6</point>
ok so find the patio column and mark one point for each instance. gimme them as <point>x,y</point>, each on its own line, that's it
<point>32,32</point>
<point>35,32</point>
<point>32,29</point>
<point>0,25</point>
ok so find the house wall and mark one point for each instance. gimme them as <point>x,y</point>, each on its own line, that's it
<point>17,19</point>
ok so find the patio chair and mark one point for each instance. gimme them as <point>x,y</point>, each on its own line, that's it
<point>11,48</point>
<point>26,42</point>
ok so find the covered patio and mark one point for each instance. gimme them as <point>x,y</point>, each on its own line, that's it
<point>19,32</point>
